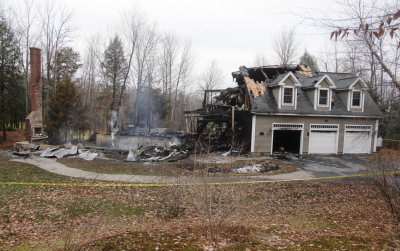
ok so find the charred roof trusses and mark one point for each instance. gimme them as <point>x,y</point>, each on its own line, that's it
<point>267,74</point>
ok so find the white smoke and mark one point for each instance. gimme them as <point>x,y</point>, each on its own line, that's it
<point>114,128</point>
<point>174,142</point>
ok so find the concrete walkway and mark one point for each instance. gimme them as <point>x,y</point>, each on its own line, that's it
<point>53,166</point>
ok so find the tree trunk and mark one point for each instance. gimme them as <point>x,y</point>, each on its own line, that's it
<point>4,133</point>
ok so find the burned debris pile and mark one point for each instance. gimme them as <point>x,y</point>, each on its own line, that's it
<point>155,153</point>
<point>47,151</point>
<point>147,154</point>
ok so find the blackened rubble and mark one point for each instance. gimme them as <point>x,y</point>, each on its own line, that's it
<point>155,153</point>
<point>147,154</point>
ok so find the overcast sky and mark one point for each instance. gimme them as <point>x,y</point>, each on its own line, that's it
<point>231,32</point>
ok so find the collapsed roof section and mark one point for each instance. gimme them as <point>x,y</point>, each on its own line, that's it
<point>258,88</point>
<point>262,90</point>
<point>220,110</point>
<point>253,83</point>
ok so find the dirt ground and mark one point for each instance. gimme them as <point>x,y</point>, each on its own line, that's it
<point>12,136</point>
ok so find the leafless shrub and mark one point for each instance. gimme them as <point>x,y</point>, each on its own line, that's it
<point>387,180</point>
<point>172,204</point>
<point>80,231</point>
<point>212,195</point>
<point>213,198</point>
<point>76,237</point>
<point>215,204</point>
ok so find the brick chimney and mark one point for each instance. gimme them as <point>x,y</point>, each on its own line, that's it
<point>35,78</point>
<point>33,122</point>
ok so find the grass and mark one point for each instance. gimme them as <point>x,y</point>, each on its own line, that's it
<point>145,241</point>
<point>12,136</point>
<point>11,171</point>
<point>298,215</point>
<point>119,167</point>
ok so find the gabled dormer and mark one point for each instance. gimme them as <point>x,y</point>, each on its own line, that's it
<point>355,96</point>
<point>285,91</point>
<point>323,89</point>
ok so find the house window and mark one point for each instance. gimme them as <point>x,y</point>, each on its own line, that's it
<point>356,101</point>
<point>288,95</point>
<point>323,97</point>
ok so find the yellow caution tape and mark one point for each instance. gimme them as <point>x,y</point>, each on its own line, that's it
<point>192,184</point>
<point>392,140</point>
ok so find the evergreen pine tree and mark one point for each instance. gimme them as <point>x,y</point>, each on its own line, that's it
<point>309,60</point>
<point>12,100</point>
<point>66,113</point>
<point>114,67</point>
<point>66,62</point>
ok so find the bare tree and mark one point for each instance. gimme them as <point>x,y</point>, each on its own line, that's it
<point>90,82</point>
<point>372,30</point>
<point>26,17</point>
<point>57,30</point>
<point>260,60</point>
<point>142,38</point>
<point>286,46</point>
<point>176,59</point>
<point>330,59</point>
<point>373,25</point>
<point>212,77</point>
<point>132,25</point>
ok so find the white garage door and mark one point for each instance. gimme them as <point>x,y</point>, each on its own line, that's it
<point>357,142</point>
<point>323,142</point>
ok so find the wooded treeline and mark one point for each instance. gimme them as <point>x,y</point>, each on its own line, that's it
<point>364,40</point>
<point>138,75</point>
<point>142,75</point>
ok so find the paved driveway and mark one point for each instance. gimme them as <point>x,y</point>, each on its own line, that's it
<point>331,166</point>
<point>311,166</point>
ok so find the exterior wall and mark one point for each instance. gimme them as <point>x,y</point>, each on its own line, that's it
<point>324,84</point>
<point>133,142</point>
<point>264,123</point>
<point>289,82</point>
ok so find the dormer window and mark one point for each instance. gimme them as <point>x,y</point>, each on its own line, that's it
<point>356,100</point>
<point>323,97</point>
<point>287,92</point>
<point>288,95</point>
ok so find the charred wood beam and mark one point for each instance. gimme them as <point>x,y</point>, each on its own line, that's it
<point>215,120</point>
<point>220,112</point>
<point>265,75</point>
<point>211,112</point>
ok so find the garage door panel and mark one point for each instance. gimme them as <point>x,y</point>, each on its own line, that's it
<point>324,142</point>
<point>357,142</point>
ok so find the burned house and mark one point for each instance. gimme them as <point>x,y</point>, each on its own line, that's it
<point>289,108</point>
